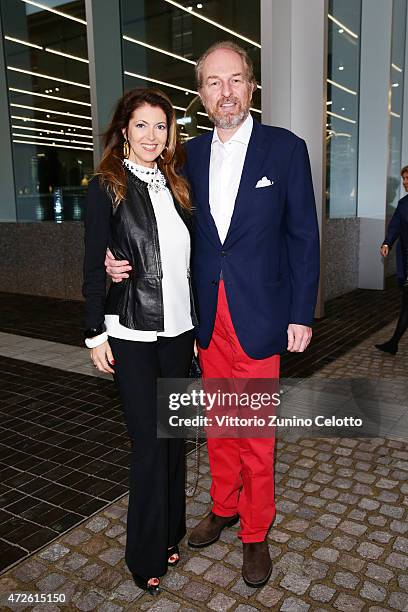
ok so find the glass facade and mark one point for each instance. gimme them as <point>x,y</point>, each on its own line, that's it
<point>163,39</point>
<point>396,103</point>
<point>343,106</point>
<point>50,112</point>
<point>47,64</point>
<point>47,72</point>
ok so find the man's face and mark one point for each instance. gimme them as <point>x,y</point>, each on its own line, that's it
<point>226,92</point>
<point>405,180</point>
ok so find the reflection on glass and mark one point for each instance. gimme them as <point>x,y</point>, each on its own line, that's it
<point>396,96</point>
<point>342,107</point>
<point>49,98</point>
<point>163,39</point>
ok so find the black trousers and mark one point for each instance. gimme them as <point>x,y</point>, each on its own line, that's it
<point>156,513</point>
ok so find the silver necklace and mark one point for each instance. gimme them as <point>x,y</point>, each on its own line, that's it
<point>154,178</point>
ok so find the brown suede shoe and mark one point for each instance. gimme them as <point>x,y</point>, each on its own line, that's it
<point>257,566</point>
<point>209,529</point>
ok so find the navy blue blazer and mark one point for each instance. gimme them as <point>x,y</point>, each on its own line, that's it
<point>398,228</point>
<point>270,258</point>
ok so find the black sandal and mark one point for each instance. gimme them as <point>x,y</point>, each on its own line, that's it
<point>171,552</point>
<point>143,583</point>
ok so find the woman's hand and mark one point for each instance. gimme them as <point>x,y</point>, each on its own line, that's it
<point>385,249</point>
<point>101,357</point>
<point>117,270</point>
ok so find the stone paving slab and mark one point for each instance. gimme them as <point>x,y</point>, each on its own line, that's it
<point>339,540</point>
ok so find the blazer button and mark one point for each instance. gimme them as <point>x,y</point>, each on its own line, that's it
<point>223,253</point>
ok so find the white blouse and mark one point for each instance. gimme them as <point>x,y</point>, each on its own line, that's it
<point>174,241</point>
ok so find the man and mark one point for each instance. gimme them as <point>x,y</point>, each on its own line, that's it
<point>255,269</point>
<point>398,230</point>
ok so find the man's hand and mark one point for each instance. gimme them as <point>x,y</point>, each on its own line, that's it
<point>102,358</point>
<point>117,270</point>
<point>384,250</point>
<point>299,337</point>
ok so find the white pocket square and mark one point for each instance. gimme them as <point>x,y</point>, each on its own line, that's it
<point>263,182</point>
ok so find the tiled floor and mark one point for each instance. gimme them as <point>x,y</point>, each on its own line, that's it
<point>64,448</point>
<point>42,317</point>
<point>349,319</point>
<point>63,453</point>
<point>53,354</point>
<point>340,538</point>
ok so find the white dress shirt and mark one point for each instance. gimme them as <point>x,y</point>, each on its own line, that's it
<point>174,241</point>
<point>226,164</point>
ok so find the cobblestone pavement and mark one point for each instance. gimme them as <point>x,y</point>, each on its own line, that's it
<point>339,541</point>
<point>367,361</point>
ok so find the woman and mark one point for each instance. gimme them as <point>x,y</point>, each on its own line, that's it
<point>139,206</point>
<point>398,229</point>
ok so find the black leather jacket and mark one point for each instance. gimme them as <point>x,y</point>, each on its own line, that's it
<point>131,233</point>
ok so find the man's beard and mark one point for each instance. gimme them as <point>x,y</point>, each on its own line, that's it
<point>228,121</point>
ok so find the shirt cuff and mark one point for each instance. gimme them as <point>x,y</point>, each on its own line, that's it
<point>96,340</point>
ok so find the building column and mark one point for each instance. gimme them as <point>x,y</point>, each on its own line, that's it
<point>374,126</point>
<point>294,71</point>
<point>8,211</point>
<point>104,35</point>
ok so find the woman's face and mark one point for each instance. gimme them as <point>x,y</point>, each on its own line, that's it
<point>147,134</point>
<point>405,180</point>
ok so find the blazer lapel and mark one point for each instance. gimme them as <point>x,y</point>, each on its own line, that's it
<point>254,159</point>
<point>202,190</point>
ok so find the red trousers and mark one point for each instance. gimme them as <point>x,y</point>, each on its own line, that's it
<point>241,468</point>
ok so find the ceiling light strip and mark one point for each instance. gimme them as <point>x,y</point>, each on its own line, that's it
<point>159,50</point>
<point>33,129</point>
<point>145,78</point>
<point>204,127</point>
<point>47,76</point>
<point>214,23</point>
<point>342,87</point>
<point>341,25</point>
<point>48,144</point>
<point>397,68</point>
<point>395,115</point>
<point>341,117</point>
<point>191,91</point>
<point>34,93</point>
<point>81,127</point>
<point>68,55</point>
<point>47,131</point>
<point>23,42</point>
<point>40,137</point>
<point>47,110</point>
<point>54,51</point>
<point>51,10</point>
<point>334,133</point>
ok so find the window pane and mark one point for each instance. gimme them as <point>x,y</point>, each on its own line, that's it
<point>342,106</point>
<point>396,94</point>
<point>180,36</point>
<point>49,97</point>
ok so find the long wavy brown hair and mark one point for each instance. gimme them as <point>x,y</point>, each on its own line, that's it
<point>111,170</point>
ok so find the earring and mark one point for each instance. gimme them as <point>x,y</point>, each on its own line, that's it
<point>126,149</point>
<point>163,153</point>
